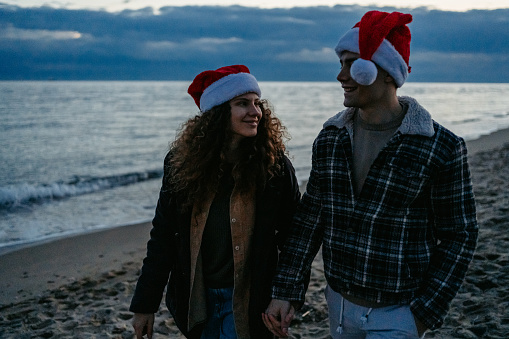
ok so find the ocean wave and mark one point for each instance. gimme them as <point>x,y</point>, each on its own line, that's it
<point>25,194</point>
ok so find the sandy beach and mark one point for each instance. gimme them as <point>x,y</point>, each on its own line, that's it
<point>81,286</point>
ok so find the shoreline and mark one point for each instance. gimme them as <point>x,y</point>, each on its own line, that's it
<point>6,249</point>
<point>484,142</point>
<point>32,270</point>
<point>81,285</point>
<point>488,141</point>
<point>139,232</point>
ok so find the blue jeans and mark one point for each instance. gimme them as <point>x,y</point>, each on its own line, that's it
<point>351,321</point>
<point>220,323</point>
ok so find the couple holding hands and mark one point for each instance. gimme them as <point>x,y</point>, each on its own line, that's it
<point>389,200</point>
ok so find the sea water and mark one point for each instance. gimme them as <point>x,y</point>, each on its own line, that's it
<point>81,156</point>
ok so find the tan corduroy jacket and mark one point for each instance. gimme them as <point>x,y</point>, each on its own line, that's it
<point>242,217</point>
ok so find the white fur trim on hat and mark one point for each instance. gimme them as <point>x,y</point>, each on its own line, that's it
<point>386,56</point>
<point>227,88</point>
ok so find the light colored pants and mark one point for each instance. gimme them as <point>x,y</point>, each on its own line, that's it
<point>350,321</point>
<point>220,323</point>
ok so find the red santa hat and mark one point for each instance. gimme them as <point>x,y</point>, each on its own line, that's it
<point>212,88</point>
<point>382,38</point>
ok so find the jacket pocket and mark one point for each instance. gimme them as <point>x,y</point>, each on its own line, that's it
<point>407,181</point>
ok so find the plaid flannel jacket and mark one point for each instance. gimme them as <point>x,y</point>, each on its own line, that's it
<point>408,237</point>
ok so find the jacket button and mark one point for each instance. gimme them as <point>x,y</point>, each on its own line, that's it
<point>237,248</point>
<point>234,220</point>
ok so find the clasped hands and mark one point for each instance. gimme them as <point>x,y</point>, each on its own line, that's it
<point>278,316</point>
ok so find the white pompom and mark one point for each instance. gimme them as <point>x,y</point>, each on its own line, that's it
<point>363,72</point>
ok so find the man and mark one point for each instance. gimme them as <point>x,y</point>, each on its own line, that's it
<point>389,199</point>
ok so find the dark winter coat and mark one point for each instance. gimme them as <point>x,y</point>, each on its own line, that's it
<point>170,260</point>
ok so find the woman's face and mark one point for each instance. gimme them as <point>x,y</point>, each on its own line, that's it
<point>245,116</point>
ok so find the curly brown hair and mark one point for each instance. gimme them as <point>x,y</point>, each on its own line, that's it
<point>198,154</point>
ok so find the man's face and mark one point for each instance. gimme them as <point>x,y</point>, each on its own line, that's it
<point>356,95</point>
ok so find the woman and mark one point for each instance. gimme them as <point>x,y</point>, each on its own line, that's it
<point>225,208</point>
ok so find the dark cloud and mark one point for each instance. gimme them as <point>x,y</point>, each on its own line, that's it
<point>277,44</point>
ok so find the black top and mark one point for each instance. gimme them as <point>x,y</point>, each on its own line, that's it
<point>216,245</point>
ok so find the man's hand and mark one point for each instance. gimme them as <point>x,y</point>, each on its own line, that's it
<point>278,316</point>
<point>143,323</point>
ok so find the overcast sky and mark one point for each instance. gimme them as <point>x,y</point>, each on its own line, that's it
<point>292,44</point>
<point>116,5</point>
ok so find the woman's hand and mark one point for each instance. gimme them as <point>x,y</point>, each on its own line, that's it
<point>278,316</point>
<point>143,323</point>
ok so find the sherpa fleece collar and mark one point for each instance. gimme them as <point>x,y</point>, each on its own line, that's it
<point>417,121</point>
